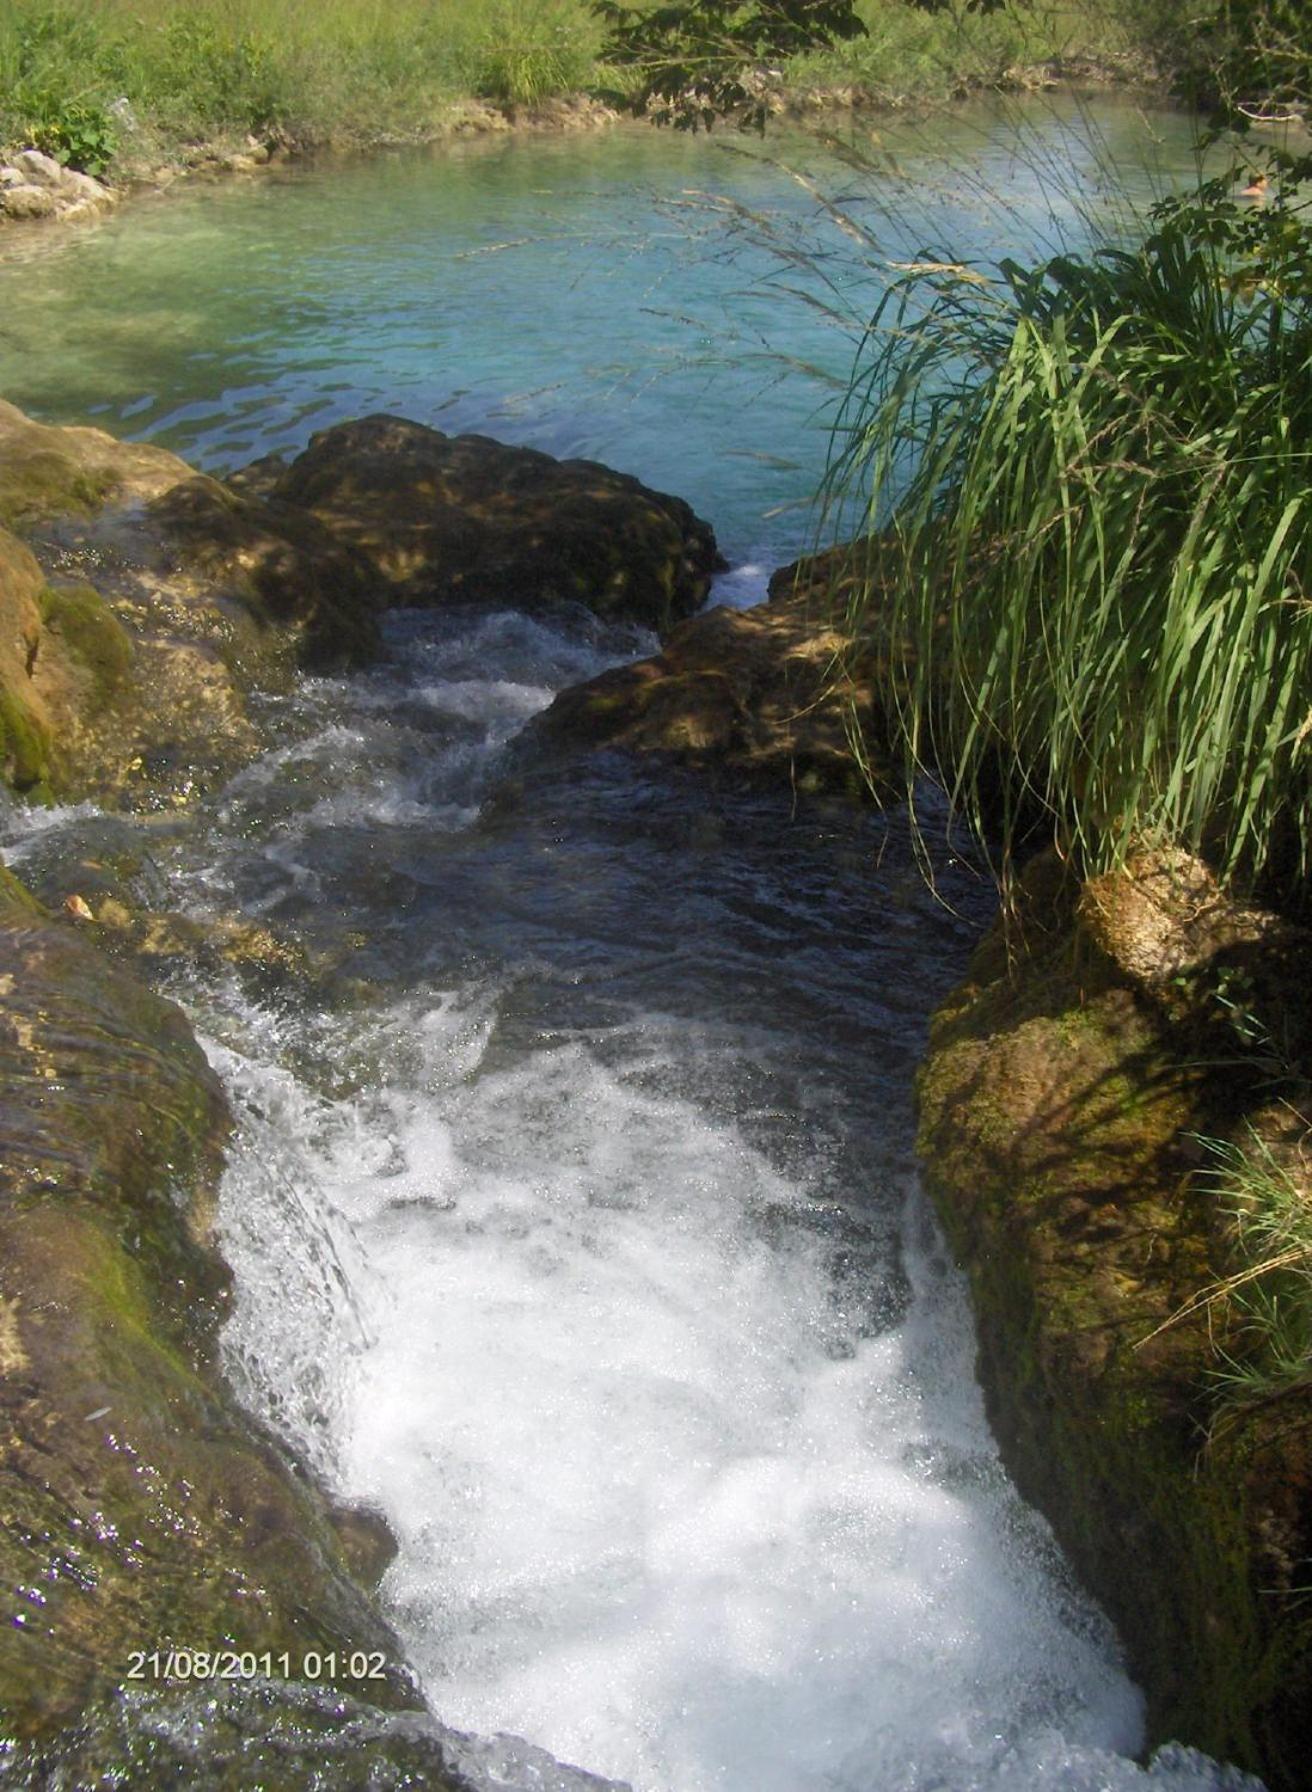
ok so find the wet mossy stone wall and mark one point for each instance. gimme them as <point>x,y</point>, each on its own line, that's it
<point>140,1508</point>
<point>1059,1110</point>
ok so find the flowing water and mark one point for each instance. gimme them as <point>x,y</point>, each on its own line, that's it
<point>573,1212</point>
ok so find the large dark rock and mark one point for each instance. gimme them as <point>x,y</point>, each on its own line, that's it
<point>291,573</point>
<point>464,519</point>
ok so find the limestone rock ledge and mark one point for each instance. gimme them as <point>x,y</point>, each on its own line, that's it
<point>36,186</point>
<point>768,692</point>
<point>141,602</point>
<point>140,1507</point>
<point>1066,1084</point>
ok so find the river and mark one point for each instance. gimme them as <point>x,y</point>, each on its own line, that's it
<point>573,1211</point>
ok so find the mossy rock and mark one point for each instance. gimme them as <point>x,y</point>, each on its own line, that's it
<point>464,519</point>
<point>14,894</point>
<point>80,619</point>
<point>25,745</point>
<point>139,1506</point>
<point>50,471</point>
<point>256,1736</point>
<point>295,579</point>
<point>1058,1112</point>
<point>25,732</point>
<point>755,692</point>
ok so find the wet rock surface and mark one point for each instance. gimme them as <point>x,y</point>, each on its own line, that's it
<point>1062,1099</point>
<point>142,608</point>
<point>767,692</point>
<point>464,519</point>
<point>140,1509</point>
<point>142,603</point>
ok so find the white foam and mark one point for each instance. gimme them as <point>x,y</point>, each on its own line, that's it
<point>659,1508</point>
<point>741,587</point>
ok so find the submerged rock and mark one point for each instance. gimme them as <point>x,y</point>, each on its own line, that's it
<point>464,519</point>
<point>1062,1099</point>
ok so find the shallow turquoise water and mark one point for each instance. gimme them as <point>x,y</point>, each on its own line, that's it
<point>604,296</point>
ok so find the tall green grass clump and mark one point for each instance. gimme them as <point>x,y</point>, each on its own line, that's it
<point>526,51</point>
<point>1087,489</point>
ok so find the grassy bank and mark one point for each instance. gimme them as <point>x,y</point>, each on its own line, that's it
<point>361,71</point>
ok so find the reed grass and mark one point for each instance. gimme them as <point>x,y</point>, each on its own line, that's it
<point>1260,1316</point>
<point>1087,499</point>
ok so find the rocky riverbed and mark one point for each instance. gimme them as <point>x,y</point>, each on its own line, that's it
<point>146,614</point>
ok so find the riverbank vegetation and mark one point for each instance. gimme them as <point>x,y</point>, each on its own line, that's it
<point>107,84</point>
<point>1091,486</point>
<point>1084,583</point>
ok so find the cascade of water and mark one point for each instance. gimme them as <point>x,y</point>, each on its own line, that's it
<point>601,1271</point>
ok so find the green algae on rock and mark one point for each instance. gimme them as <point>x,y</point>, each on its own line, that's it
<point>139,1507</point>
<point>1059,1104</point>
<point>48,470</point>
<point>464,519</point>
<point>294,576</point>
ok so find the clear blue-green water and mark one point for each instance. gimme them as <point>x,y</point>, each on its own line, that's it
<point>584,1241</point>
<point>631,297</point>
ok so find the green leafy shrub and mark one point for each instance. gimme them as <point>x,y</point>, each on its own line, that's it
<point>527,52</point>
<point>222,75</point>
<point>703,60</point>
<point>76,133</point>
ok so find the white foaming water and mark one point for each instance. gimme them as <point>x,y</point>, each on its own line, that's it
<point>676,1497</point>
<point>742,586</point>
<point>661,1507</point>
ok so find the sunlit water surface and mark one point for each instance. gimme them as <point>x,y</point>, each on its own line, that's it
<point>576,1228</point>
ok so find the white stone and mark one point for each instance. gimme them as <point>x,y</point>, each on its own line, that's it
<point>29,201</point>
<point>37,169</point>
<point>85,187</point>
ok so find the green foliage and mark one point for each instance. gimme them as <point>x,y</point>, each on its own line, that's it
<point>76,133</point>
<point>223,74</point>
<point>1244,58</point>
<point>359,70</point>
<point>702,60</point>
<point>1088,488</point>
<point>45,56</point>
<point>527,52</point>
<point>1268,1355</point>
